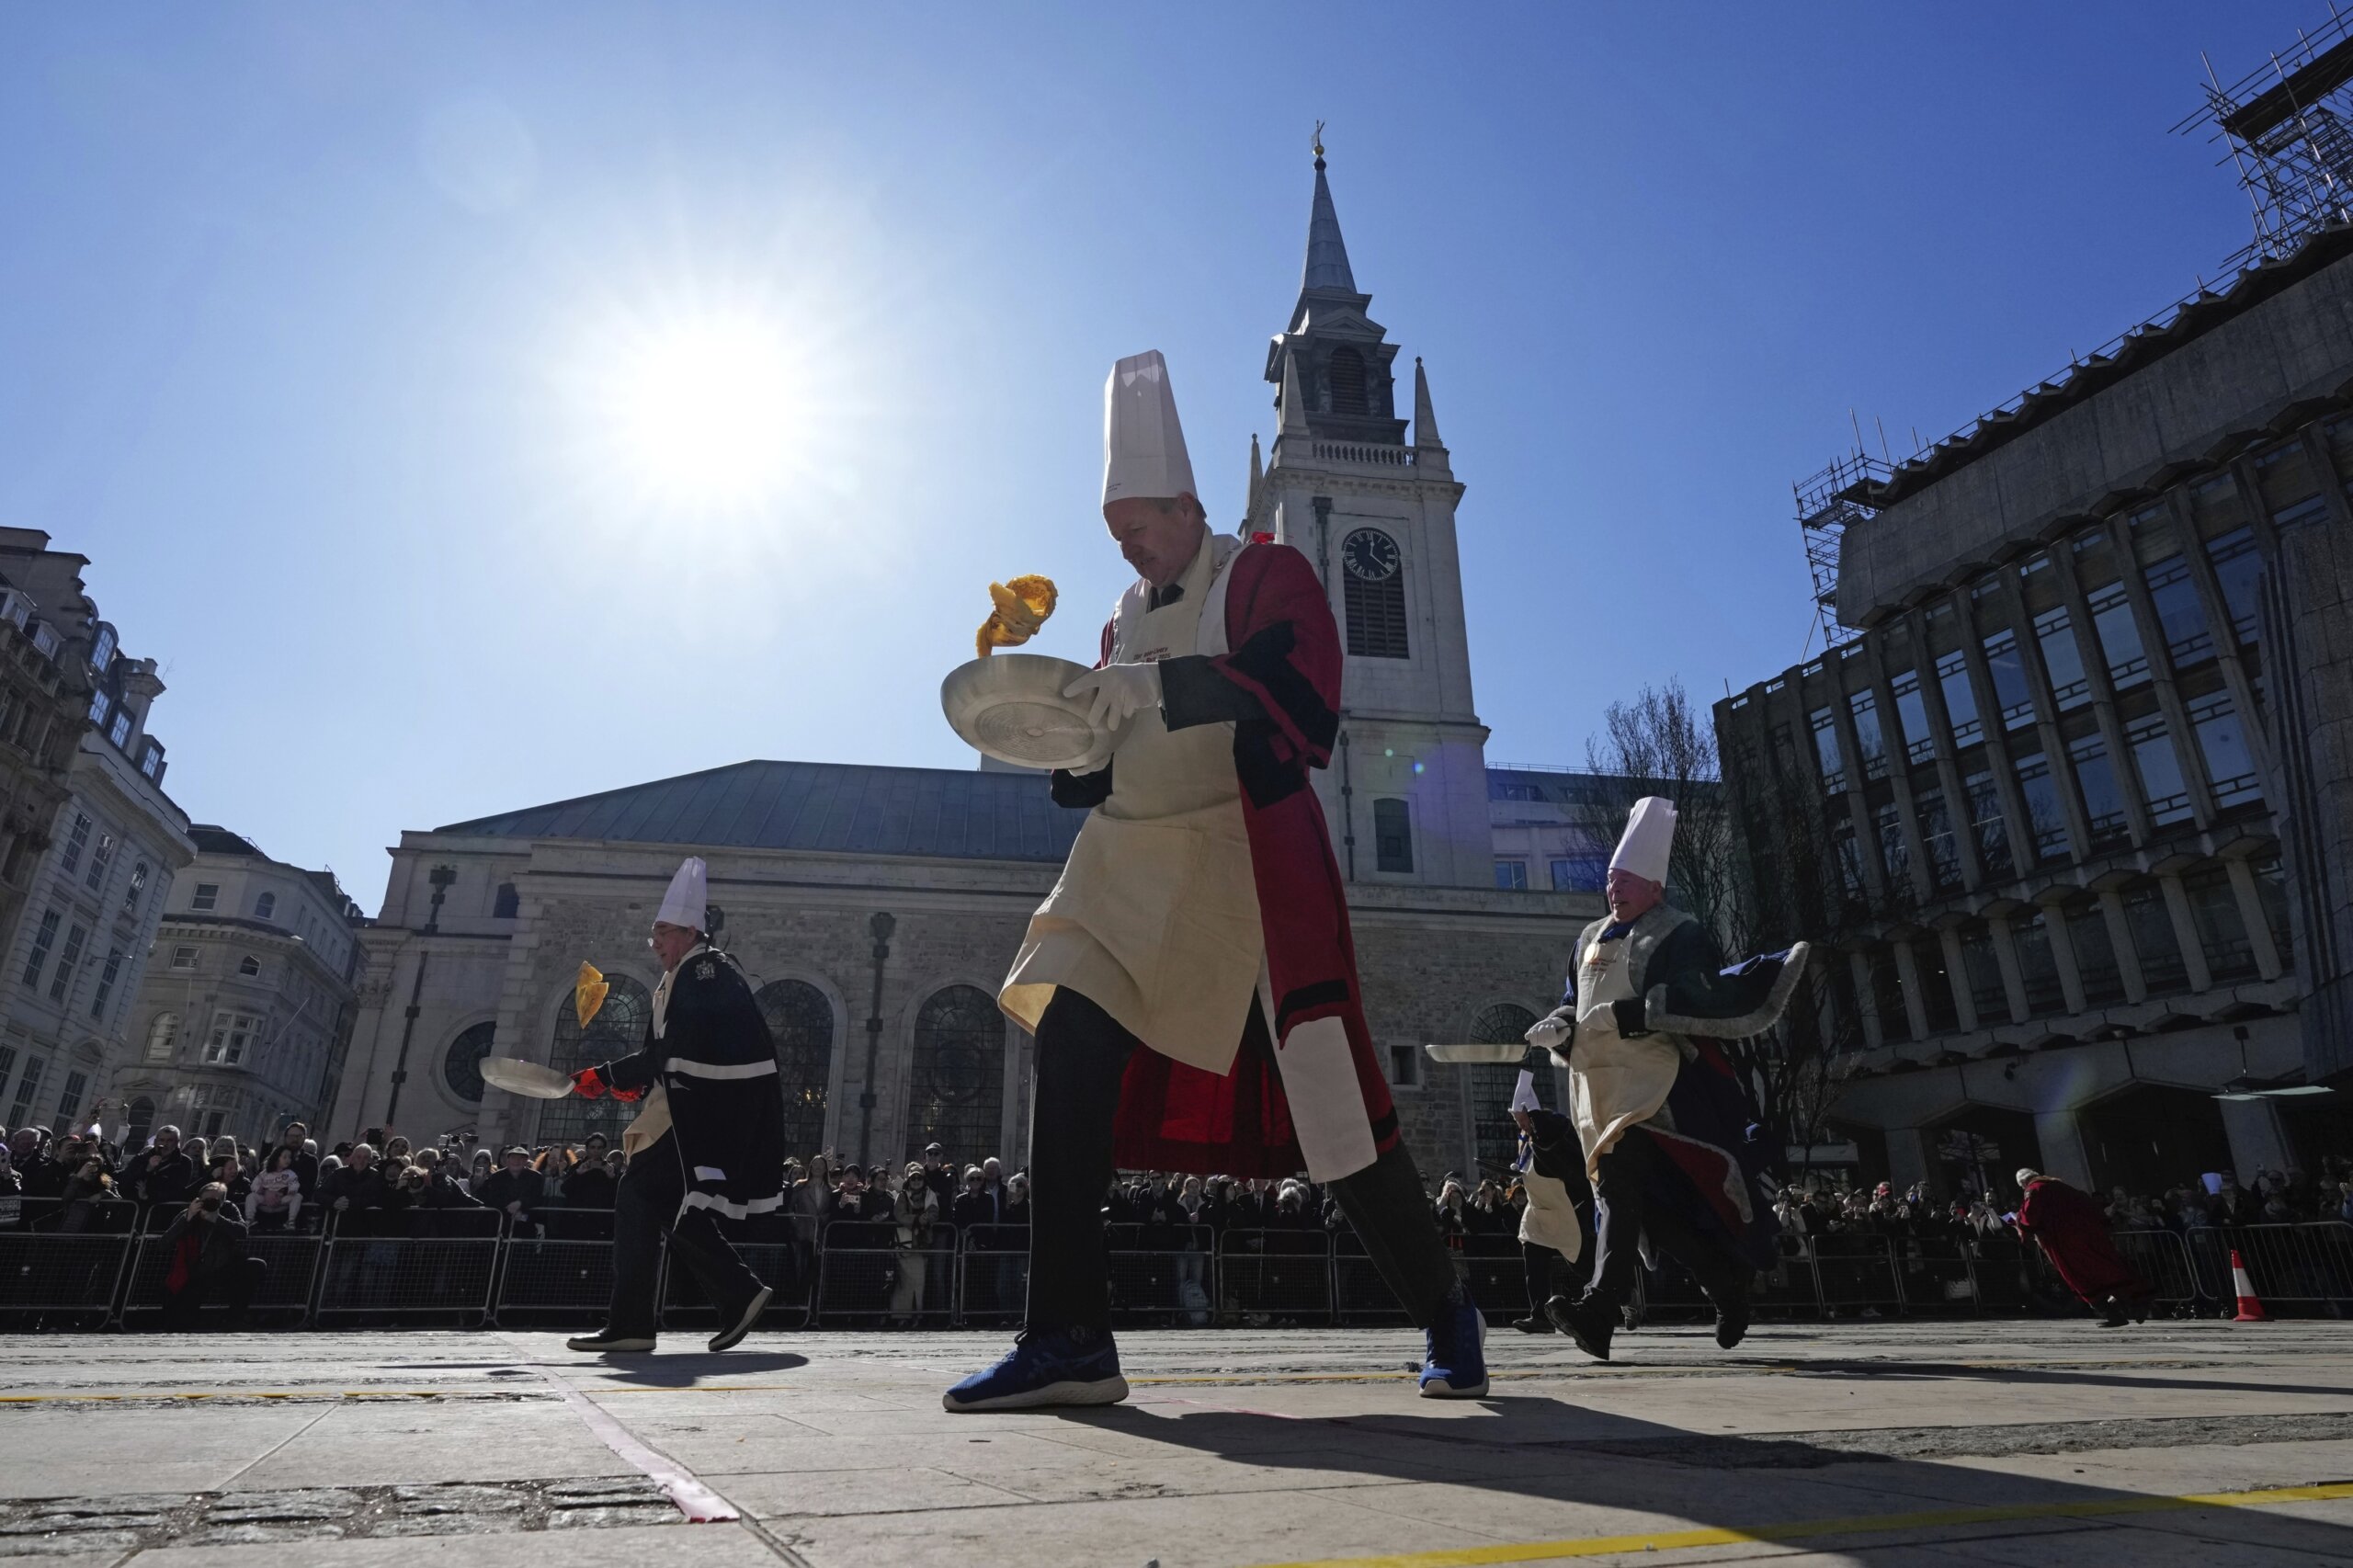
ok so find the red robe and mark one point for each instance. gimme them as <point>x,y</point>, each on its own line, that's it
<point>2073,1232</point>
<point>1281,686</point>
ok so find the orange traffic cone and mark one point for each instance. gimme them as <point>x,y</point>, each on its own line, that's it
<point>2250,1305</point>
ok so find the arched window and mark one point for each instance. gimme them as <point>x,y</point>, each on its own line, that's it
<point>162,1036</point>
<point>266,906</point>
<point>800,1021</point>
<point>505,903</point>
<point>461,1068</point>
<point>1494,1138</point>
<point>617,1030</point>
<point>1374,593</point>
<point>957,1097</point>
<point>142,1117</point>
<point>1348,395</point>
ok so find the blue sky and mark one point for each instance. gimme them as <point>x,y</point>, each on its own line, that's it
<point>311,319</point>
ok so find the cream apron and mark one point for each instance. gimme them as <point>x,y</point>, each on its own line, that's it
<point>654,1118</point>
<point>1156,918</point>
<point>1614,1082</point>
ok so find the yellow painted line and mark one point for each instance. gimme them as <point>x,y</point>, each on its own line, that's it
<point>1866,1524</point>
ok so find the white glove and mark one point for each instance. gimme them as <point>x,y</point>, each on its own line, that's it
<point>1549,1034</point>
<point>1118,690</point>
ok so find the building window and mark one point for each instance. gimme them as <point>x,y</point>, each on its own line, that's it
<point>77,839</point>
<point>249,966</point>
<point>2046,819</point>
<point>1912,715</point>
<point>956,1096</point>
<point>207,896</point>
<point>2178,612</point>
<point>2155,943</point>
<point>2037,968</point>
<point>1887,995</point>
<point>68,961</point>
<point>106,977</point>
<point>183,956</point>
<point>1392,837</point>
<point>72,1102</point>
<point>1850,858</point>
<point>2214,911</point>
<point>2061,659</point>
<point>231,1032</point>
<point>266,906</point>
<point>1580,873</point>
<point>2096,965</point>
<point>801,1025</point>
<point>2161,782</point>
<point>162,1036</point>
<point>1895,854</point>
<point>1960,698</point>
<point>2223,738</point>
<point>2271,893</point>
<point>1825,749</point>
<point>137,890</point>
<point>1936,829</point>
<point>99,858</point>
<point>1404,1067</point>
<point>2120,637</point>
<point>616,1030</point>
<point>461,1064</point>
<point>1348,381</point>
<point>43,938</point>
<point>1494,1136</point>
<point>121,733</point>
<point>2103,801</point>
<point>27,1087</point>
<point>2009,670</point>
<point>99,703</point>
<point>1983,973</point>
<point>1936,987</point>
<point>1873,746</point>
<point>1511,876</point>
<point>151,762</point>
<point>505,903</point>
<point>1373,594</point>
<point>2237,566</point>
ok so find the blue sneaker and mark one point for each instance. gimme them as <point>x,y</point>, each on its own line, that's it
<point>1457,1363</point>
<point>1049,1367</point>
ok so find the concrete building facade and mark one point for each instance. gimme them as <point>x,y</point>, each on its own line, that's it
<point>878,909</point>
<point>241,1021</point>
<point>2038,804</point>
<point>89,876</point>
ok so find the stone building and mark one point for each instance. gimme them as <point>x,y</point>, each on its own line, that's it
<point>91,838</point>
<point>243,1019</point>
<point>2038,804</point>
<point>878,908</point>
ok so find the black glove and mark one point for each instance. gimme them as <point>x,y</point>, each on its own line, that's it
<point>1630,1017</point>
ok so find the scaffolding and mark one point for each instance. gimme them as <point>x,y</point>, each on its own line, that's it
<point>1827,504</point>
<point>2287,126</point>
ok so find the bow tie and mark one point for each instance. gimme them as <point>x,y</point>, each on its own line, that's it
<point>1161,598</point>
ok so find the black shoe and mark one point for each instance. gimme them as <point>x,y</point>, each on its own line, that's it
<point>1534,1323</point>
<point>605,1339</point>
<point>2113,1314</point>
<point>741,1322</point>
<point>1583,1322</point>
<point>1731,1323</point>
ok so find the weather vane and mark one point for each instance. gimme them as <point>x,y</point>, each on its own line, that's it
<point>1319,141</point>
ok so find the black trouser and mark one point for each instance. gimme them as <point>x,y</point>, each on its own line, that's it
<point>1622,1215</point>
<point>1081,1055</point>
<point>232,1285</point>
<point>1549,1274</point>
<point>646,1209</point>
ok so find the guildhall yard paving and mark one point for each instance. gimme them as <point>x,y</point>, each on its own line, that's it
<point>1880,1443</point>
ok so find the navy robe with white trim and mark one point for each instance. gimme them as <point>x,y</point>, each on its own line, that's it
<point>710,1050</point>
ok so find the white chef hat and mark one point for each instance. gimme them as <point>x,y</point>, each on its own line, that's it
<point>1143,447</point>
<point>682,905</point>
<point>1649,840</point>
<point>2027,1176</point>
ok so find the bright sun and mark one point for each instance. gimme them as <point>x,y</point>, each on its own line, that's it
<point>703,413</point>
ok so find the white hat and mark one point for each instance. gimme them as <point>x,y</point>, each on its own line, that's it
<point>682,905</point>
<point>1650,838</point>
<point>1143,447</point>
<point>1523,1093</point>
<point>2028,1175</point>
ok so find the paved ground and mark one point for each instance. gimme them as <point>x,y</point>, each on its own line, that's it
<point>2043,1444</point>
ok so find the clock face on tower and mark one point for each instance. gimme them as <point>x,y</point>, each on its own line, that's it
<point>1369,554</point>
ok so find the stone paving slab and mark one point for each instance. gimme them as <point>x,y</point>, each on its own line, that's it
<point>2025,1443</point>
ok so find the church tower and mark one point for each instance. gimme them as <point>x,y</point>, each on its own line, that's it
<point>1406,792</point>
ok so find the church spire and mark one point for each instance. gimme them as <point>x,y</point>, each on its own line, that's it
<point>1257,487</point>
<point>1426,436</point>
<point>1328,253</point>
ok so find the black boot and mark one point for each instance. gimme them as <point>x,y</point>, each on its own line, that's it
<point>1587,1322</point>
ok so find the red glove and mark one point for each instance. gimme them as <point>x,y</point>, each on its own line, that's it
<point>592,1086</point>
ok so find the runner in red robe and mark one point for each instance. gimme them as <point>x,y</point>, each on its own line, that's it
<point>2072,1229</point>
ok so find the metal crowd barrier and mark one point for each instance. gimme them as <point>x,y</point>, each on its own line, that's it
<point>864,1274</point>
<point>1856,1274</point>
<point>2302,1268</point>
<point>2162,1258</point>
<point>1273,1278</point>
<point>1165,1284</point>
<point>992,1275</point>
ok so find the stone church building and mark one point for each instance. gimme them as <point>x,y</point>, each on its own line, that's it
<point>877,908</point>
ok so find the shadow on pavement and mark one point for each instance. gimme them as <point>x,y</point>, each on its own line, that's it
<point>656,1370</point>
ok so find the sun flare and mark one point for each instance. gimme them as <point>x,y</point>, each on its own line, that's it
<point>705,413</point>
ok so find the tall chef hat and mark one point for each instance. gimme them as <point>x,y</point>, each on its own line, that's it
<point>1650,838</point>
<point>1143,447</point>
<point>682,905</point>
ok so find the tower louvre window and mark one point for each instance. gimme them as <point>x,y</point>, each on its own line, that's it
<point>1392,835</point>
<point>1373,594</point>
<point>1347,379</point>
